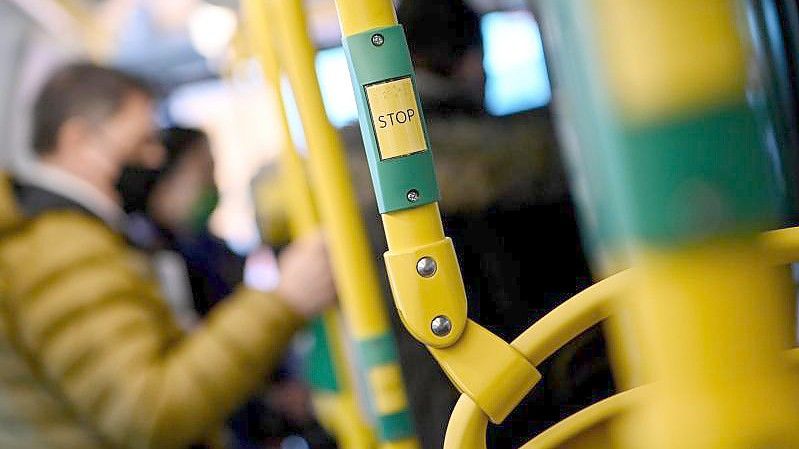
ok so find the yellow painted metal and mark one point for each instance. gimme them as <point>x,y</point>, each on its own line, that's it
<point>715,322</point>
<point>491,372</point>
<point>793,357</point>
<point>714,319</point>
<point>389,377</point>
<point>782,245</point>
<point>592,427</point>
<point>271,200</point>
<point>356,278</point>
<point>595,427</point>
<point>328,166</point>
<point>412,292</point>
<point>402,444</point>
<point>340,412</point>
<point>416,232</point>
<point>357,16</point>
<point>680,75</point>
<point>624,350</point>
<point>303,218</point>
<point>412,228</point>
<point>571,318</point>
<point>467,426</point>
<point>341,416</point>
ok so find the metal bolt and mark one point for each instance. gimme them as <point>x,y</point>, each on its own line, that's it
<point>426,267</point>
<point>413,195</point>
<point>378,39</point>
<point>441,326</point>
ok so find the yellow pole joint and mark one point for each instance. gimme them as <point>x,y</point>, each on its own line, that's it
<point>421,262</point>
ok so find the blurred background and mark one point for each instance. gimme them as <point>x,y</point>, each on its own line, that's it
<point>506,201</point>
<point>185,48</point>
<point>483,80</point>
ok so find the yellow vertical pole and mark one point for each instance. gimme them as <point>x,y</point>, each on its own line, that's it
<point>357,16</point>
<point>421,262</point>
<point>360,293</point>
<point>338,411</point>
<point>663,84</point>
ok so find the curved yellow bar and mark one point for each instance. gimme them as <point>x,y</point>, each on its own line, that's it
<point>467,425</point>
<point>570,319</point>
<point>782,244</point>
<point>586,424</point>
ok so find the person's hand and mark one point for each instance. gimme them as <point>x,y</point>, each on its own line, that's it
<point>306,279</point>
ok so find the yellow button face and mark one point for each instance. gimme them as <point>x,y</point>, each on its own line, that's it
<point>396,118</point>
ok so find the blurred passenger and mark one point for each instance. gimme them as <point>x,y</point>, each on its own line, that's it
<point>506,204</point>
<point>170,208</point>
<point>178,199</point>
<point>92,357</point>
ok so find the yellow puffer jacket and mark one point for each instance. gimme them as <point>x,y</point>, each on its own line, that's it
<point>90,356</point>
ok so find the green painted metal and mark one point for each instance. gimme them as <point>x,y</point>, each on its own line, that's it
<point>319,369</point>
<point>579,95</point>
<point>392,178</point>
<point>680,165</point>
<point>396,426</point>
<point>381,350</point>
<point>697,176</point>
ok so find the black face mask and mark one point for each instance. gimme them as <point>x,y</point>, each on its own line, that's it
<point>134,186</point>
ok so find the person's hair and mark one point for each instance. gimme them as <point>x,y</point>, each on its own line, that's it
<point>440,32</point>
<point>179,142</point>
<point>84,90</point>
<point>136,184</point>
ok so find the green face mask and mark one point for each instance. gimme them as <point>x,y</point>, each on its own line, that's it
<point>203,208</point>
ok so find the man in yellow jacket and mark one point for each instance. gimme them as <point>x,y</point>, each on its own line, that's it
<point>90,355</point>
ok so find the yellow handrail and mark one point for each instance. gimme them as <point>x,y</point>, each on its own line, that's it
<point>339,412</point>
<point>468,423</point>
<point>571,318</point>
<point>691,300</point>
<point>360,293</point>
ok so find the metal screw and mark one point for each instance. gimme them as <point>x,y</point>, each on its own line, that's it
<point>378,39</point>
<point>426,267</point>
<point>441,326</point>
<point>413,195</point>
